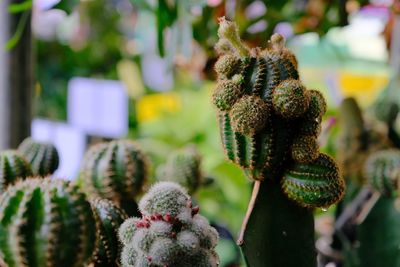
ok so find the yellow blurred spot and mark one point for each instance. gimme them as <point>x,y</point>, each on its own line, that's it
<point>365,88</point>
<point>153,106</point>
<point>129,74</point>
<point>38,89</point>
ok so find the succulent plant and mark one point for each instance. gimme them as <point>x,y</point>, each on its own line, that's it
<point>43,157</point>
<point>117,171</point>
<point>184,168</point>
<point>108,220</point>
<point>170,232</point>
<point>13,166</point>
<point>45,222</point>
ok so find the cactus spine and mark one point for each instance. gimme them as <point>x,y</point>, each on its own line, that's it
<point>108,220</point>
<point>170,232</point>
<point>43,157</point>
<point>269,124</point>
<point>45,223</point>
<point>116,171</point>
<point>184,168</point>
<point>13,166</point>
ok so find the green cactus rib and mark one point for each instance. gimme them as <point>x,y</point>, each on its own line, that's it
<point>43,157</point>
<point>45,222</point>
<point>169,233</point>
<point>117,171</point>
<point>13,166</point>
<point>108,220</point>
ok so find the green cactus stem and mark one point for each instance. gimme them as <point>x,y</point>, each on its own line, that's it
<point>183,167</point>
<point>116,171</point>
<point>169,233</point>
<point>108,220</point>
<point>13,166</point>
<point>269,125</point>
<point>43,157</point>
<point>44,223</point>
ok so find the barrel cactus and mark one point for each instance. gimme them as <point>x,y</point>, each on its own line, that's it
<point>108,220</point>
<point>117,171</point>
<point>13,167</point>
<point>45,222</point>
<point>184,168</point>
<point>170,232</point>
<point>43,157</point>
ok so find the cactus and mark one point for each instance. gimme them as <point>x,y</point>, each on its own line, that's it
<point>108,220</point>
<point>117,171</point>
<point>45,222</point>
<point>269,124</point>
<point>183,167</point>
<point>43,157</point>
<point>170,232</point>
<point>13,167</point>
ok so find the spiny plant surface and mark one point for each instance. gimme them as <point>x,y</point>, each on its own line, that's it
<point>45,223</point>
<point>13,166</point>
<point>43,157</point>
<point>170,233</point>
<point>108,220</point>
<point>184,168</point>
<point>116,170</point>
<point>269,121</point>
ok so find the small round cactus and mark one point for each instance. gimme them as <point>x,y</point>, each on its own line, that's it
<point>13,167</point>
<point>184,168</point>
<point>108,220</point>
<point>227,65</point>
<point>117,171</point>
<point>305,148</point>
<point>43,157</point>
<point>382,170</point>
<point>170,232</point>
<point>227,93</point>
<point>314,185</point>
<point>45,222</point>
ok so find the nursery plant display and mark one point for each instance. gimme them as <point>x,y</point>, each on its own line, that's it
<point>45,222</point>
<point>13,167</point>
<point>169,233</point>
<point>43,157</point>
<point>117,171</point>
<point>108,220</point>
<point>269,124</point>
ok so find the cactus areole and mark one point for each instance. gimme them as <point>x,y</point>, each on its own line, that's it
<point>269,124</point>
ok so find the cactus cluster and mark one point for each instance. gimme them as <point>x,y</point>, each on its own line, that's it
<point>269,121</point>
<point>13,167</point>
<point>43,157</point>
<point>382,170</point>
<point>115,170</point>
<point>170,232</point>
<point>108,220</point>
<point>184,168</point>
<point>45,223</point>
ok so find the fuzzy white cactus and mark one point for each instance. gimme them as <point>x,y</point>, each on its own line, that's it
<point>170,232</point>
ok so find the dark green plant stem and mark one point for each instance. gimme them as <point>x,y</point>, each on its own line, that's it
<point>277,232</point>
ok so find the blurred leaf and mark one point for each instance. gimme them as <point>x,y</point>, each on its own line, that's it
<point>18,33</point>
<point>129,74</point>
<point>20,7</point>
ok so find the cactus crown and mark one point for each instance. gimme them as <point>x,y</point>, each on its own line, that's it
<point>170,232</point>
<point>115,170</point>
<point>184,168</point>
<point>39,219</point>
<point>43,157</point>
<point>269,121</point>
<point>13,166</point>
<point>108,220</point>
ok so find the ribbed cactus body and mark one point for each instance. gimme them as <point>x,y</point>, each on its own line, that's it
<point>13,166</point>
<point>116,171</point>
<point>170,232</point>
<point>382,170</point>
<point>316,184</point>
<point>45,223</point>
<point>184,168</point>
<point>43,157</point>
<point>108,220</point>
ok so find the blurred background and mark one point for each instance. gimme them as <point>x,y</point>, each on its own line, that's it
<point>92,70</point>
